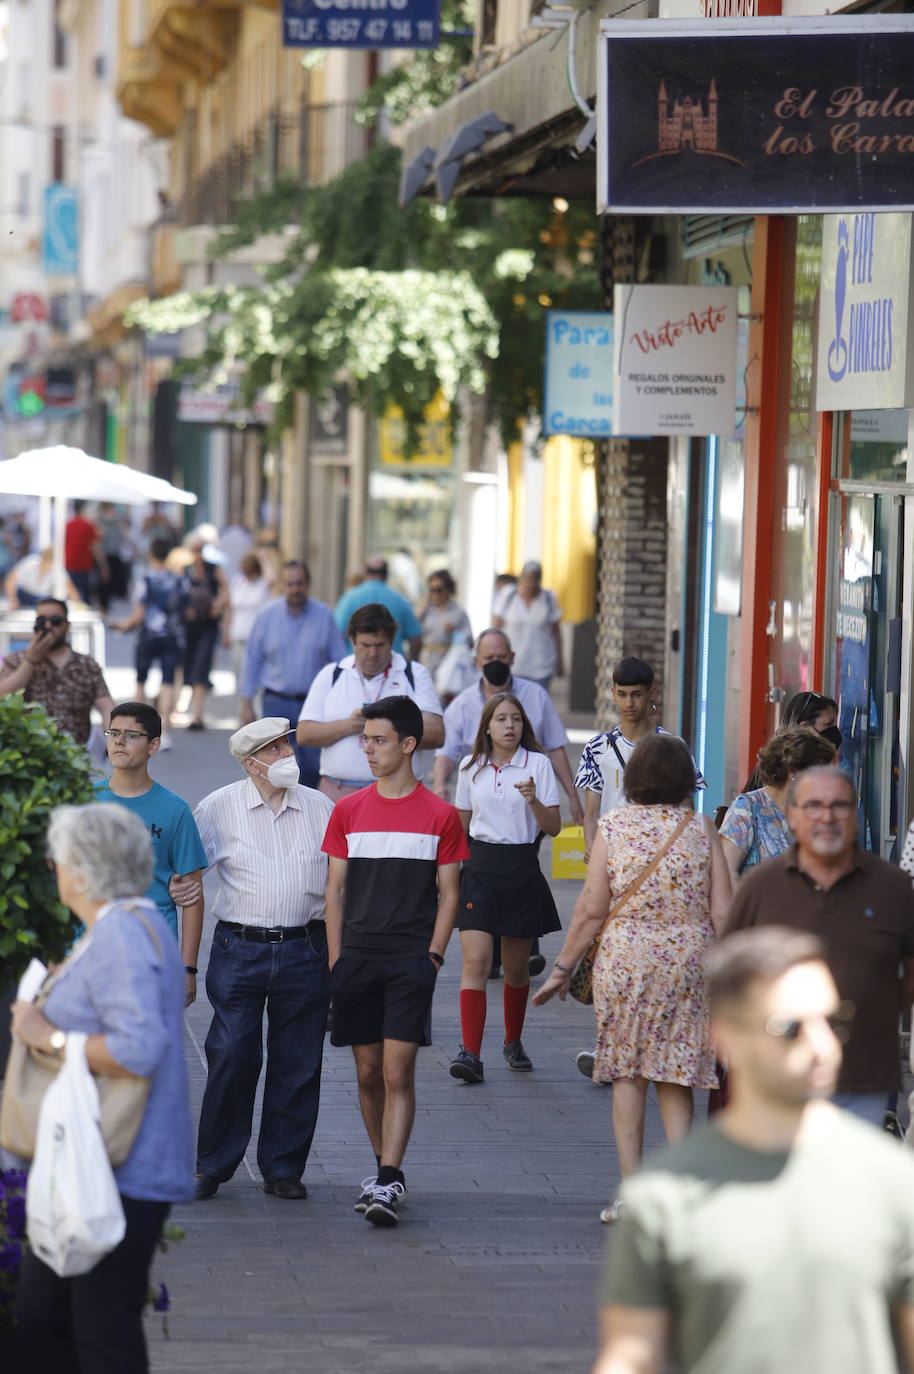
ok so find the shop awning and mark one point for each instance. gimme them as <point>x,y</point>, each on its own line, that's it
<point>530,92</point>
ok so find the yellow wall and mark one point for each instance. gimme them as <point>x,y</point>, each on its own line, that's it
<point>569,540</point>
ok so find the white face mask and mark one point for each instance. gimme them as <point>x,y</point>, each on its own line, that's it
<point>284,772</point>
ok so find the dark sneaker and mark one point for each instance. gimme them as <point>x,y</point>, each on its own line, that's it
<point>206,1186</point>
<point>516,1057</point>
<point>585,1062</point>
<point>467,1067</point>
<point>385,1199</point>
<point>365,1196</point>
<point>537,964</point>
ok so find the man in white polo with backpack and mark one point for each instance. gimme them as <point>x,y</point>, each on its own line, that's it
<point>331,718</point>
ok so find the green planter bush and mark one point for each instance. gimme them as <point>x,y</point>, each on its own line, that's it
<point>41,767</point>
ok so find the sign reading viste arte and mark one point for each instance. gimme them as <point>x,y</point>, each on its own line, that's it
<point>675,360</point>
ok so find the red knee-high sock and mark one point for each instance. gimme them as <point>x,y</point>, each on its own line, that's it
<point>515,1011</point>
<point>472,1018</point>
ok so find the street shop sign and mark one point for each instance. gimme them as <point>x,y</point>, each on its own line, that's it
<point>578,392</point>
<point>865,357</point>
<point>360,23</point>
<point>675,359</point>
<point>766,116</point>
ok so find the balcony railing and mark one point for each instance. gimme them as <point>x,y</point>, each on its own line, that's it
<point>315,145</point>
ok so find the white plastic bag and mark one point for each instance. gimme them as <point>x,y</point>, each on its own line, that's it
<point>456,671</point>
<point>73,1210</point>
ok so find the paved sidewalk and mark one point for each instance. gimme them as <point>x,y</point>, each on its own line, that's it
<point>496,1262</point>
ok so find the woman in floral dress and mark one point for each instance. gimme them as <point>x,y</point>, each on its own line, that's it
<point>649,977</point>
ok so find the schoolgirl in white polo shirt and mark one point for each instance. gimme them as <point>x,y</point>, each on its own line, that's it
<point>506,794</point>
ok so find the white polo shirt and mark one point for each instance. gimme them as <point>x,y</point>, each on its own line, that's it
<point>345,761</point>
<point>500,813</point>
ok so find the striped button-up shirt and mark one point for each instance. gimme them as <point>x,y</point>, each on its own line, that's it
<point>270,865</point>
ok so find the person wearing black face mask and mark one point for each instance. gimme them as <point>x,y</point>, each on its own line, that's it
<point>806,708</point>
<point>494,659</point>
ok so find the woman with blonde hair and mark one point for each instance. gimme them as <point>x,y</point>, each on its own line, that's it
<point>755,827</point>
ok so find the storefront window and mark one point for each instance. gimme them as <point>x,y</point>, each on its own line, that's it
<point>795,540</point>
<point>876,446</point>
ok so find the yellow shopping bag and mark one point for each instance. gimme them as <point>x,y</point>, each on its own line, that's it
<point>568,853</point>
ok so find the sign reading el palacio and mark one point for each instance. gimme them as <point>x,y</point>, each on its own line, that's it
<point>761,115</point>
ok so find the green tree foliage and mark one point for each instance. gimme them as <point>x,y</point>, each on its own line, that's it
<point>404,302</point>
<point>41,767</point>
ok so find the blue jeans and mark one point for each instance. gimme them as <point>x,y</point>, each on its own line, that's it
<point>274,704</point>
<point>291,980</point>
<point>869,1107</point>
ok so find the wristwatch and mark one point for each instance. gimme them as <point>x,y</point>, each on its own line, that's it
<point>58,1040</point>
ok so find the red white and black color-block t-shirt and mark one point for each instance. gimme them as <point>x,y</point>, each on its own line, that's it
<point>394,847</point>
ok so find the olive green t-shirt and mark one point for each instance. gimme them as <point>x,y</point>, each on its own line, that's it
<point>783,1263</point>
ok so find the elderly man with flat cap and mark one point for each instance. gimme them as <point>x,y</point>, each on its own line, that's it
<point>262,836</point>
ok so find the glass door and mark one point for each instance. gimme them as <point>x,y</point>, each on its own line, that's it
<point>867,657</point>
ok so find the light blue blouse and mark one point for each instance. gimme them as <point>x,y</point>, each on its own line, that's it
<point>124,988</point>
<point>757,827</point>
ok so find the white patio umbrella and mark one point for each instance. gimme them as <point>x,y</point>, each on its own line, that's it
<point>61,474</point>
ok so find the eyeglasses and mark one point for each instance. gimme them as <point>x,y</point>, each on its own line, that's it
<point>436,587</point>
<point>131,736</point>
<point>815,810</point>
<point>44,621</point>
<point>782,1028</point>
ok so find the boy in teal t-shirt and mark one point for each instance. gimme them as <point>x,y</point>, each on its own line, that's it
<point>133,737</point>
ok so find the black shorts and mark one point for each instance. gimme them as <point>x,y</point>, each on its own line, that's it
<point>382,999</point>
<point>165,649</point>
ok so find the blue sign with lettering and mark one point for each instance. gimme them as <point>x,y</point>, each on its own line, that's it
<point>578,396</point>
<point>360,23</point>
<point>60,240</point>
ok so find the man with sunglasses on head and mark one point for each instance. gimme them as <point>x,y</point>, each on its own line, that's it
<point>67,684</point>
<point>779,1236</point>
<point>861,908</point>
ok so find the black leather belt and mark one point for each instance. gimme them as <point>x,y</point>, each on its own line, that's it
<point>270,935</point>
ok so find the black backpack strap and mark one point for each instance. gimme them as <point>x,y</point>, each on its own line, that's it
<point>410,676</point>
<point>615,749</point>
<point>337,669</point>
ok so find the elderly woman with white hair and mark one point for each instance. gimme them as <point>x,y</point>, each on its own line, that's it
<point>531,616</point>
<point>123,986</point>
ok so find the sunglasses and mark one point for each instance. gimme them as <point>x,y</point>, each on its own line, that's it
<point>44,621</point>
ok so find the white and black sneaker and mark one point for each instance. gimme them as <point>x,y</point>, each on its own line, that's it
<point>386,1198</point>
<point>365,1195</point>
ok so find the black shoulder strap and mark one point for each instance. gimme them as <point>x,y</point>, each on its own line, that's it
<point>615,749</point>
<point>410,676</point>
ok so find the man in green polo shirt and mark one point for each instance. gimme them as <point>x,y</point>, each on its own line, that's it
<point>779,1237</point>
<point>861,908</point>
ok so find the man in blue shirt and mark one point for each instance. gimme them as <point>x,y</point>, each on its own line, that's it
<point>372,590</point>
<point>158,613</point>
<point>133,736</point>
<point>292,638</point>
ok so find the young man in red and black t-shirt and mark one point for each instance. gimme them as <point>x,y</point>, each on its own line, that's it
<point>392,891</point>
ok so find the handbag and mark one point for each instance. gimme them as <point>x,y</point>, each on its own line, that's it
<point>30,1072</point>
<point>74,1213</point>
<point>581,985</point>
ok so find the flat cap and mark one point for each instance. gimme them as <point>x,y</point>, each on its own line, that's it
<point>252,737</point>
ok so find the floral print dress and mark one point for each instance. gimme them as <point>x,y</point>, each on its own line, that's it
<point>649,975</point>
